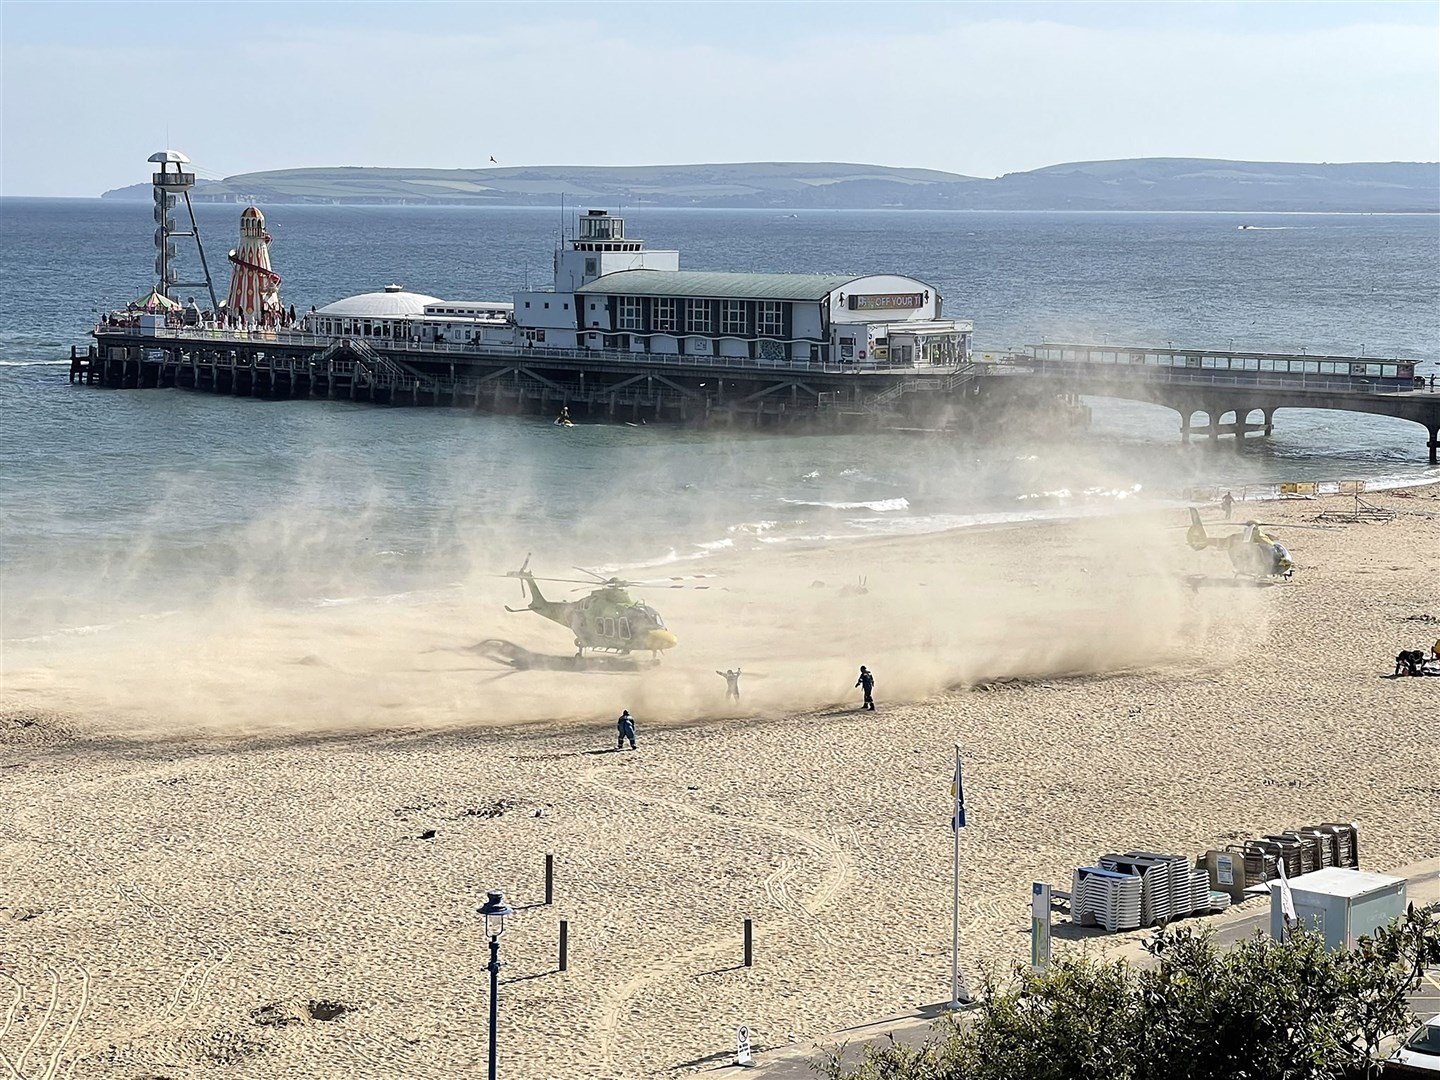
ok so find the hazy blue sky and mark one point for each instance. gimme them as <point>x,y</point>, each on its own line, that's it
<point>91,89</point>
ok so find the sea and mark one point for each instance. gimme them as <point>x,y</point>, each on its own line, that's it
<point>120,505</point>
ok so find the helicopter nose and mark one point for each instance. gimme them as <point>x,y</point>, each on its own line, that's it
<point>659,640</point>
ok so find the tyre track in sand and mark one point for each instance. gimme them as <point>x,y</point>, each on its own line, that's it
<point>54,1055</point>
<point>776,885</point>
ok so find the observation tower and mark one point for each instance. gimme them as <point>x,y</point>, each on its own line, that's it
<point>254,287</point>
<point>171,183</point>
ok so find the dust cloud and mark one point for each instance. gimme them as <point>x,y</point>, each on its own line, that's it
<point>935,611</point>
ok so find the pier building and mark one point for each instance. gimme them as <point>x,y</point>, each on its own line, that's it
<point>612,294</point>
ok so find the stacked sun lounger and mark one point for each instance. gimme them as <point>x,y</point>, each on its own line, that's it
<point>1154,872</point>
<point>1105,897</point>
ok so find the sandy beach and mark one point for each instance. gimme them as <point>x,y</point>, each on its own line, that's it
<point>213,826</point>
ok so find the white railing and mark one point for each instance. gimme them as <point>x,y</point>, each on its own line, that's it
<point>1309,382</point>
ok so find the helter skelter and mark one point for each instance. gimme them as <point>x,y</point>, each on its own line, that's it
<point>254,287</point>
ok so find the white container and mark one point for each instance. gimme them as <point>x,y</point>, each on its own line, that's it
<point>1341,905</point>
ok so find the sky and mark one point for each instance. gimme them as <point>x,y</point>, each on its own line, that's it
<point>89,90</point>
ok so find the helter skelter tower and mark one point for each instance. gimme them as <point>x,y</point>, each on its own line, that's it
<point>254,287</point>
<point>171,183</point>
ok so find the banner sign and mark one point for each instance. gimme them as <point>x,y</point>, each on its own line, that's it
<point>885,301</point>
<point>1040,927</point>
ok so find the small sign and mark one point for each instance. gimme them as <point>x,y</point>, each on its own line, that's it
<point>1040,927</point>
<point>742,1045</point>
<point>1225,869</point>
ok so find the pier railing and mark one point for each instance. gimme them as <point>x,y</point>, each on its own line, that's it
<point>302,339</point>
<point>1342,384</point>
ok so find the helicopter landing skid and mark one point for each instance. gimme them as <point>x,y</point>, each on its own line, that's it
<point>520,658</point>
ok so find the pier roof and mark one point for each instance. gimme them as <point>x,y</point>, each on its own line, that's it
<point>389,304</point>
<point>717,286</point>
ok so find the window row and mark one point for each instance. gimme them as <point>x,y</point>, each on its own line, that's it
<point>731,318</point>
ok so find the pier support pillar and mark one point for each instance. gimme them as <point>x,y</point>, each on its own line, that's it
<point>1269,422</point>
<point>1434,444</point>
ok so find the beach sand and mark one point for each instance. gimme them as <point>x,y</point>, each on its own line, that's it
<point>212,826</point>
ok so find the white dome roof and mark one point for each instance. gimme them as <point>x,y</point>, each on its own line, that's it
<point>391,303</point>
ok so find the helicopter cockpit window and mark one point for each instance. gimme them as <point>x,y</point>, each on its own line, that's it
<point>650,615</point>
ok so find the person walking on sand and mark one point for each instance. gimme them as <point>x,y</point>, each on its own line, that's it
<point>1226,504</point>
<point>732,683</point>
<point>867,681</point>
<point>626,727</point>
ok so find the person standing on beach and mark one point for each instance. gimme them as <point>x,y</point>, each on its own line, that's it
<point>1226,503</point>
<point>732,683</point>
<point>626,727</point>
<point>867,682</point>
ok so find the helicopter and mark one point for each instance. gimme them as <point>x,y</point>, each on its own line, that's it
<point>1253,552</point>
<point>609,619</point>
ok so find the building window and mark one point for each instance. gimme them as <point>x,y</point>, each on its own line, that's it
<point>732,318</point>
<point>697,316</point>
<point>769,320</point>
<point>629,315</point>
<point>547,305</point>
<point>591,267</point>
<point>664,314</point>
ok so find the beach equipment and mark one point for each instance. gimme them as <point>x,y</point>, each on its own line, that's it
<point>1106,898</point>
<point>1154,875</point>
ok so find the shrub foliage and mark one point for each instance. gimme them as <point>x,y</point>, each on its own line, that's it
<point>1264,1010</point>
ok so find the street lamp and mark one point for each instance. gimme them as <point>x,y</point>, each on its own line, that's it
<point>495,909</point>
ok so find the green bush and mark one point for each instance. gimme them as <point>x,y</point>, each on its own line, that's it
<point>1265,1010</point>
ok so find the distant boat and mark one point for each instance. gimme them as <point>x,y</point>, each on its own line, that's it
<point>1244,227</point>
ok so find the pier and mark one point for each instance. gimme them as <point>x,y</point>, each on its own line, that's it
<point>1237,392</point>
<point>715,390</point>
<point>591,383</point>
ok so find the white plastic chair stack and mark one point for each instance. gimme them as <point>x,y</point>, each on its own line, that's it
<point>1219,901</point>
<point>1200,891</point>
<point>1154,884</point>
<point>1182,894</point>
<point>1107,897</point>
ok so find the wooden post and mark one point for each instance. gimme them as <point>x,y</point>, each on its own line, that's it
<point>549,879</point>
<point>749,941</point>
<point>564,944</point>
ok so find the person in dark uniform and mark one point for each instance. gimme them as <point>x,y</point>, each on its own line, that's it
<point>1226,504</point>
<point>732,683</point>
<point>626,727</point>
<point>867,681</point>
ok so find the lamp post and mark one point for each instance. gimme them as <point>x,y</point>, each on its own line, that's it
<point>495,909</point>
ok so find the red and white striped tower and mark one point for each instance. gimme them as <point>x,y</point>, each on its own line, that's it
<point>254,287</point>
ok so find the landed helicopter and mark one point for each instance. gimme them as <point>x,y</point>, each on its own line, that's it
<point>1253,552</point>
<point>608,619</point>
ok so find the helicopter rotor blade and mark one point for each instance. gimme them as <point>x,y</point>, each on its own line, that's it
<point>592,573</point>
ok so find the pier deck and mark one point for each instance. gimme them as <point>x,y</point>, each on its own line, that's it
<point>655,387</point>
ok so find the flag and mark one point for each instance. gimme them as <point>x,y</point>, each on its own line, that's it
<point>1287,901</point>
<point>957,792</point>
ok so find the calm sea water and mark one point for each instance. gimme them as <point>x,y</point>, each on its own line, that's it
<point>159,495</point>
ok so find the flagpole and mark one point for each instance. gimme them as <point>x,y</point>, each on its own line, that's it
<point>955,903</point>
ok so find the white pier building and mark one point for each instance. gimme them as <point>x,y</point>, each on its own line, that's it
<point>612,295</point>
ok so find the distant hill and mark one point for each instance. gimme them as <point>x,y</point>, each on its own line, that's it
<point>1134,184</point>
